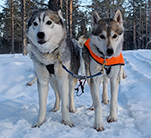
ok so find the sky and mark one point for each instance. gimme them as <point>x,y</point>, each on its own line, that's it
<point>82,2</point>
<point>2,2</point>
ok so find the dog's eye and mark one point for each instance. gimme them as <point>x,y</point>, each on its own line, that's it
<point>102,36</point>
<point>48,22</point>
<point>114,36</point>
<point>35,24</point>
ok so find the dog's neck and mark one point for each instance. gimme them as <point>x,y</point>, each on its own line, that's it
<point>47,57</point>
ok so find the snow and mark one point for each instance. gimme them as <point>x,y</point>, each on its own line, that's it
<point>19,103</point>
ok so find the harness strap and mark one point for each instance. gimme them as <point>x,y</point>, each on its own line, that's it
<point>50,68</point>
<point>80,77</point>
<point>82,88</point>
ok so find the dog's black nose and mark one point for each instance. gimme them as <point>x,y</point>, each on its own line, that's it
<point>40,35</point>
<point>110,51</point>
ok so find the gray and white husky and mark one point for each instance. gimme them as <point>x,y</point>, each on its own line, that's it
<point>49,49</point>
<point>106,41</point>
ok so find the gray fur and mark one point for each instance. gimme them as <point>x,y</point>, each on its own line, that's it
<point>105,34</point>
<point>54,44</point>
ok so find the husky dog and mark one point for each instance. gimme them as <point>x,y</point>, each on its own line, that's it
<point>50,48</point>
<point>105,79</point>
<point>106,41</point>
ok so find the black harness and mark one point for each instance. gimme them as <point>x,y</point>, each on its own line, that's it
<point>50,68</point>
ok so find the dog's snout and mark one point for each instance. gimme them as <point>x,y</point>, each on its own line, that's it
<point>110,51</point>
<point>40,35</point>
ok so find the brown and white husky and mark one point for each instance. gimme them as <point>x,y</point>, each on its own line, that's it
<point>106,41</point>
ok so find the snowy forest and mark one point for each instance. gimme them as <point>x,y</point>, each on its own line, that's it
<point>19,103</point>
<point>14,16</point>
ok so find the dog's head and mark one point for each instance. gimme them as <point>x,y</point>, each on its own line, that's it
<point>107,35</point>
<point>45,30</point>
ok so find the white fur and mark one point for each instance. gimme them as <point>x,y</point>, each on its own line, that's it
<point>52,32</point>
<point>102,44</point>
<point>44,54</point>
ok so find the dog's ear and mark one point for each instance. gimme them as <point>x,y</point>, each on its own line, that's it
<point>118,18</point>
<point>95,18</point>
<point>60,16</point>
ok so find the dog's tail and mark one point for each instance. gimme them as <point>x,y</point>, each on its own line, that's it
<point>81,41</point>
<point>79,47</point>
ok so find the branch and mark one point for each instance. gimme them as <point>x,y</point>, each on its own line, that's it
<point>54,5</point>
<point>147,44</point>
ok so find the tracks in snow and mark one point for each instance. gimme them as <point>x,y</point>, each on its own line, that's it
<point>140,63</point>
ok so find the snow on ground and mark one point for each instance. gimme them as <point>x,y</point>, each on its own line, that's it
<point>19,103</point>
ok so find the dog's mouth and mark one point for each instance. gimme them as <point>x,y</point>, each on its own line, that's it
<point>41,42</point>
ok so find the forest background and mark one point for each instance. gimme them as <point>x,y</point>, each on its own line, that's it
<point>14,15</point>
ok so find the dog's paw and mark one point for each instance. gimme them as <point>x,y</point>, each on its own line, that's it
<point>98,127</point>
<point>69,123</point>
<point>105,101</point>
<point>29,84</point>
<point>71,110</point>
<point>37,125</point>
<point>55,109</point>
<point>91,108</point>
<point>111,119</point>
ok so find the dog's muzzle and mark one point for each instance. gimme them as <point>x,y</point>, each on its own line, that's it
<point>41,36</point>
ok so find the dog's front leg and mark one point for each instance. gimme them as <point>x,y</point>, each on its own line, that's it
<point>114,94</point>
<point>54,85</point>
<point>63,85</point>
<point>42,83</point>
<point>105,98</point>
<point>43,91</point>
<point>98,123</point>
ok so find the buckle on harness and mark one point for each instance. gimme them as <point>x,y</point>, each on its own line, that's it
<point>103,65</point>
<point>82,88</point>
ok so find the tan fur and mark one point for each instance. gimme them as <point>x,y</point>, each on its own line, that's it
<point>48,40</point>
<point>106,36</point>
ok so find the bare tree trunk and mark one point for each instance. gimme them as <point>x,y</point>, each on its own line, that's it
<point>134,27</point>
<point>61,4</point>
<point>71,9</point>
<point>24,51</point>
<point>12,31</point>
<point>140,25</point>
<point>149,24</point>
<point>146,23</point>
<point>142,34</point>
<point>149,13</point>
<point>67,13</point>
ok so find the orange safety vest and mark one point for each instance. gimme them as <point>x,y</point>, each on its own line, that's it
<point>119,60</point>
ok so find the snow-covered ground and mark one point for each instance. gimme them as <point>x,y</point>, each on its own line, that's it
<point>19,103</point>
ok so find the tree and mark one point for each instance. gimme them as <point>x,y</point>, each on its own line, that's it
<point>24,51</point>
<point>134,26</point>
<point>70,17</point>
<point>136,17</point>
<point>54,5</point>
<point>12,28</point>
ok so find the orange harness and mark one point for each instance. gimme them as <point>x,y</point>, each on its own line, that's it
<point>119,60</point>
